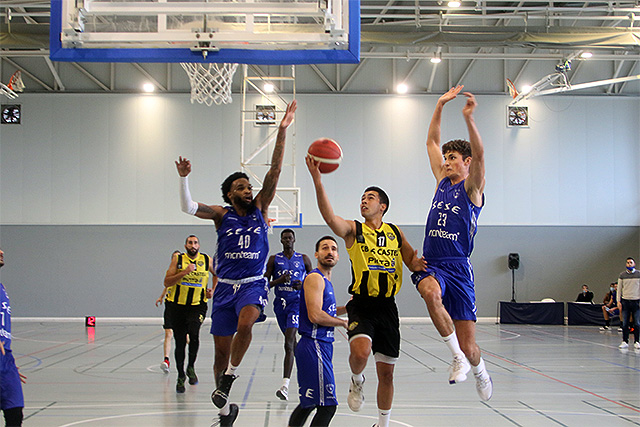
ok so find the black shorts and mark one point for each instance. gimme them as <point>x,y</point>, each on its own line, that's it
<point>184,315</point>
<point>167,317</point>
<point>377,318</point>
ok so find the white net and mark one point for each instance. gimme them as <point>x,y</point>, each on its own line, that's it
<point>210,83</point>
<point>15,85</point>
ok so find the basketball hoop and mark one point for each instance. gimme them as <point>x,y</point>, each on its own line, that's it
<point>512,89</point>
<point>270,222</point>
<point>15,85</point>
<point>210,83</point>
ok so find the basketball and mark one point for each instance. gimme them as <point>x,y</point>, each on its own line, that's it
<point>327,152</point>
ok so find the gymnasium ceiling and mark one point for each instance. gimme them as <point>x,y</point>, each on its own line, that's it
<point>481,43</point>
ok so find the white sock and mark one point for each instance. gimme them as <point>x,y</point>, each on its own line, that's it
<point>384,416</point>
<point>285,382</point>
<point>225,410</point>
<point>479,369</point>
<point>452,342</point>
<point>357,378</point>
<point>231,370</point>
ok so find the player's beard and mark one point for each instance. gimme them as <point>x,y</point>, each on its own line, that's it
<point>328,263</point>
<point>192,252</point>
<point>243,203</point>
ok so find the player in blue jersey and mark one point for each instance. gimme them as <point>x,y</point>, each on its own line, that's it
<point>318,311</point>
<point>242,249</point>
<point>287,269</point>
<point>447,286</point>
<point>11,398</point>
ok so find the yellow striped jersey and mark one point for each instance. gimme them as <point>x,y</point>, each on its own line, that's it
<point>376,261</point>
<point>192,288</point>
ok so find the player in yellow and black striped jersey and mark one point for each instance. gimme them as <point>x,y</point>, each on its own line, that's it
<point>377,251</point>
<point>187,282</point>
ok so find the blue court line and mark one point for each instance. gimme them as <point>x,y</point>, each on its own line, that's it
<point>38,361</point>
<point>253,373</point>
<point>618,364</point>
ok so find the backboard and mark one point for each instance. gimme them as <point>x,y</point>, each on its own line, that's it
<point>273,32</point>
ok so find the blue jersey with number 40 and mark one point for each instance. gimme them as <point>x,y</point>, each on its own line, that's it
<point>243,245</point>
<point>5,319</point>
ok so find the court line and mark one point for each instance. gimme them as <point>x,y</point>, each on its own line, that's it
<point>561,382</point>
<point>39,410</point>
<point>501,414</point>
<point>618,364</point>
<point>610,412</point>
<point>542,413</point>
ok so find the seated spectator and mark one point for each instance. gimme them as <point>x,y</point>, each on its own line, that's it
<point>610,306</point>
<point>586,295</point>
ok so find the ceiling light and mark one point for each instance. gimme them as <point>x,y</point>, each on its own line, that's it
<point>526,89</point>
<point>454,3</point>
<point>268,87</point>
<point>586,55</point>
<point>148,87</point>
<point>402,88</point>
<point>436,58</point>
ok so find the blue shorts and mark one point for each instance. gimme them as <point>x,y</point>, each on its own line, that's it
<point>456,282</point>
<point>229,299</point>
<point>10,385</point>
<point>316,387</point>
<point>287,312</point>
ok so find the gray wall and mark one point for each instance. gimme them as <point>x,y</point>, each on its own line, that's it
<point>102,270</point>
<point>89,203</point>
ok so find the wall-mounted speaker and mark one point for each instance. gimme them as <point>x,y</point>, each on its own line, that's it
<point>514,261</point>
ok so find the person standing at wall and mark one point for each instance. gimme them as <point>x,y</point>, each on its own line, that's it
<point>11,397</point>
<point>447,286</point>
<point>241,256</point>
<point>314,353</point>
<point>287,270</point>
<point>186,282</point>
<point>629,302</point>
<point>168,330</point>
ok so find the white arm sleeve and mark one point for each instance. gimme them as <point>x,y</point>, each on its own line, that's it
<point>186,204</point>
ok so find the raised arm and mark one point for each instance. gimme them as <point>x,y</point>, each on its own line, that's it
<point>268,192</point>
<point>187,205</point>
<point>313,290</point>
<point>433,136</point>
<point>173,275</point>
<point>340,226</point>
<point>474,184</point>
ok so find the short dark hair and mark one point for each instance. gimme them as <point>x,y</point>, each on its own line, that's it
<point>324,238</point>
<point>381,195</point>
<point>190,236</point>
<point>287,230</point>
<point>630,258</point>
<point>226,185</point>
<point>462,146</point>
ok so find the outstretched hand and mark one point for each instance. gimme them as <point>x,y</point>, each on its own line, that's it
<point>470,106</point>
<point>289,114</point>
<point>313,166</point>
<point>451,94</point>
<point>184,166</point>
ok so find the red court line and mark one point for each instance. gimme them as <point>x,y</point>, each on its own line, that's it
<point>561,382</point>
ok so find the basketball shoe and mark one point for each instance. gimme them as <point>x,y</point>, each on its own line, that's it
<point>458,369</point>
<point>165,365</point>
<point>221,394</point>
<point>283,393</point>
<point>355,398</point>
